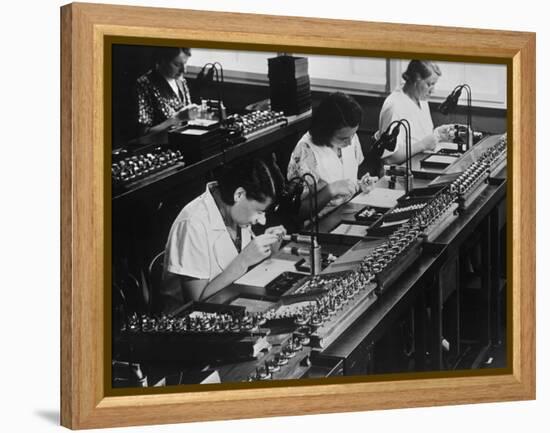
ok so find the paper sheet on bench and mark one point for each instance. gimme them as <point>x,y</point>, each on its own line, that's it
<point>266,272</point>
<point>441,159</point>
<point>350,230</point>
<point>379,197</point>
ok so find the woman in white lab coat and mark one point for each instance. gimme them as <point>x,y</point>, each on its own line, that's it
<point>410,102</point>
<point>211,244</point>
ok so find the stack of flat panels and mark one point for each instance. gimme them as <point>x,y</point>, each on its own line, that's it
<point>289,84</point>
<point>196,143</point>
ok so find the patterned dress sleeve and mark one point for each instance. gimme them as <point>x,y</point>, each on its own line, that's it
<point>144,103</point>
<point>303,161</point>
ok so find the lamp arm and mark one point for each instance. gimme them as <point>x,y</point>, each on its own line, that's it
<point>219,65</point>
<point>389,128</point>
<point>408,151</point>
<point>313,217</point>
<point>219,80</point>
<point>315,208</point>
<point>205,67</point>
<point>469,141</point>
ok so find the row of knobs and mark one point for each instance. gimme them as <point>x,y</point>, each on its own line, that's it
<point>138,166</point>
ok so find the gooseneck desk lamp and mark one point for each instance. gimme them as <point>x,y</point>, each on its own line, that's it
<point>213,72</point>
<point>388,140</point>
<point>314,247</point>
<point>451,102</point>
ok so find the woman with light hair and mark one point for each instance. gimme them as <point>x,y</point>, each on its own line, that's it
<point>411,102</point>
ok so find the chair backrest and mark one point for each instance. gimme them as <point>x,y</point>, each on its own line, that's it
<point>129,288</point>
<point>154,276</point>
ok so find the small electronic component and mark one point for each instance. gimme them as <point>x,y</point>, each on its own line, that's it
<point>370,214</point>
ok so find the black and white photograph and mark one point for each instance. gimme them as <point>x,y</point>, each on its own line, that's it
<point>297,216</point>
<point>246,216</point>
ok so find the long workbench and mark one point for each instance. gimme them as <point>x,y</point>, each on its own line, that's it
<point>428,290</point>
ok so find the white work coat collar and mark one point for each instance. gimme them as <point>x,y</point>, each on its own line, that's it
<point>217,223</point>
<point>216,220</point>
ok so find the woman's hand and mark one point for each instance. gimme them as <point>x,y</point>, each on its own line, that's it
<point>444,133</point>
<point>189,112</point>
<point>278,231</point>
<point>367,182</point>
<point>258,249</point>
<point>343,187</point>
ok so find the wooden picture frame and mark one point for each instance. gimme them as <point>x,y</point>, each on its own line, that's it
<point>84,230</point>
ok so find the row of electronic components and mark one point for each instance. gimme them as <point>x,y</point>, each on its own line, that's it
<point>199,322</point>
<point>255,121</point>
<point>474,174</point>
<point>407,208</point>
<point>339,292</point>
<point>397,243</point>
<point>478,170</point>
<point>406,235</point>
<point>337,303</point>
<point>135,167</point>
<point>437,207</point>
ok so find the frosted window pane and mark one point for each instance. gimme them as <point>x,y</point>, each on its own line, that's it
<point>246,61</point>
<point>354,69</point>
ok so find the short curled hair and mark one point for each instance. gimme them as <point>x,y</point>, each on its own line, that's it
<point>336,111</point>
<point>420,70</point>
<point>166,54</point>
<point>257,178</point>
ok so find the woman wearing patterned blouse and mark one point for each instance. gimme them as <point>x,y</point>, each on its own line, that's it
<point>163,98</point>
<point>331,152</point>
